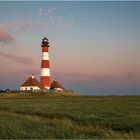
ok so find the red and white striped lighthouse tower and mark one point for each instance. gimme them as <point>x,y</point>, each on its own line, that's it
<point>45,68</point>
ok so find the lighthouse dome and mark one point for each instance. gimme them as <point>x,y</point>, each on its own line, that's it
<point>45,39</point>
<point>45,42</point>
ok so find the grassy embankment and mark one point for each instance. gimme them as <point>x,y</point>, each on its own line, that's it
<point>69,117</point>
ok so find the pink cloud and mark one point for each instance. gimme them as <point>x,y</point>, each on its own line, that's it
<point>21,26</point>
<point>19,59</point>
<point>17,26</point>
<point>130,75</point>
<point>5,37</point>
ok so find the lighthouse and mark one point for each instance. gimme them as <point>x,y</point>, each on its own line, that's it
<point>45,83</point>
<point>45,67</point>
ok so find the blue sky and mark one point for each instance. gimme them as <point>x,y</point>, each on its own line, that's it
<point>94,45</point>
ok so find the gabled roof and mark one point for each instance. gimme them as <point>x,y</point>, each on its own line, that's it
<point>31,81</point>
<point>56,84</point>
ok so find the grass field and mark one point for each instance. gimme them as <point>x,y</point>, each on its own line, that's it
<point>69,117</point>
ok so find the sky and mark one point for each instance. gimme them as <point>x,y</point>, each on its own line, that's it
<point>94,45</point>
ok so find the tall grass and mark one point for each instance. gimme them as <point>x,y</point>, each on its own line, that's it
<point>69,117</point>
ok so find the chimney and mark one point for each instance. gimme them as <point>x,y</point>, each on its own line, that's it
<point>33,76</point>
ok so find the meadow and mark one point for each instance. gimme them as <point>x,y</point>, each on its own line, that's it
<point>69,117</point>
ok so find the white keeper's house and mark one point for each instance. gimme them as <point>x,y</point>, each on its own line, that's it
<point>31,84</point>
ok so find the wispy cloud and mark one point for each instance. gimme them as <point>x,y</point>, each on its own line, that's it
<point>45,18</point>
<point>78,77</point>
<point>130,75</point>
<point>40,12</point>
<point>19,25</point>
<point>52,16</point>
<point>19,59</point>
<point>5,37</point>
<point>16,26</point>
<point>104,78</point>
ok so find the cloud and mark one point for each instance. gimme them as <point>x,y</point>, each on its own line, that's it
<point>52,17</point>
<point>84,78</point>
<point>40,12</point>
<point>104,78</point>
<point>19,59</point>
<point>55,9</point>
<point>130,75</point>
<point>5,37</point>
<point>20,26</point>
<point>45,18</point>
<point>16,26</point>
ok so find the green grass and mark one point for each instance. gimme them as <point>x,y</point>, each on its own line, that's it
<point>69,117</point>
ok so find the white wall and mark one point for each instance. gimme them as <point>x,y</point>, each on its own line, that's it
<point>59,89</point>
<point>29,88</point>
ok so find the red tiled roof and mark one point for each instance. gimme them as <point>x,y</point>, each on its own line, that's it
<point>32,82</point>
<point>56,84</point>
